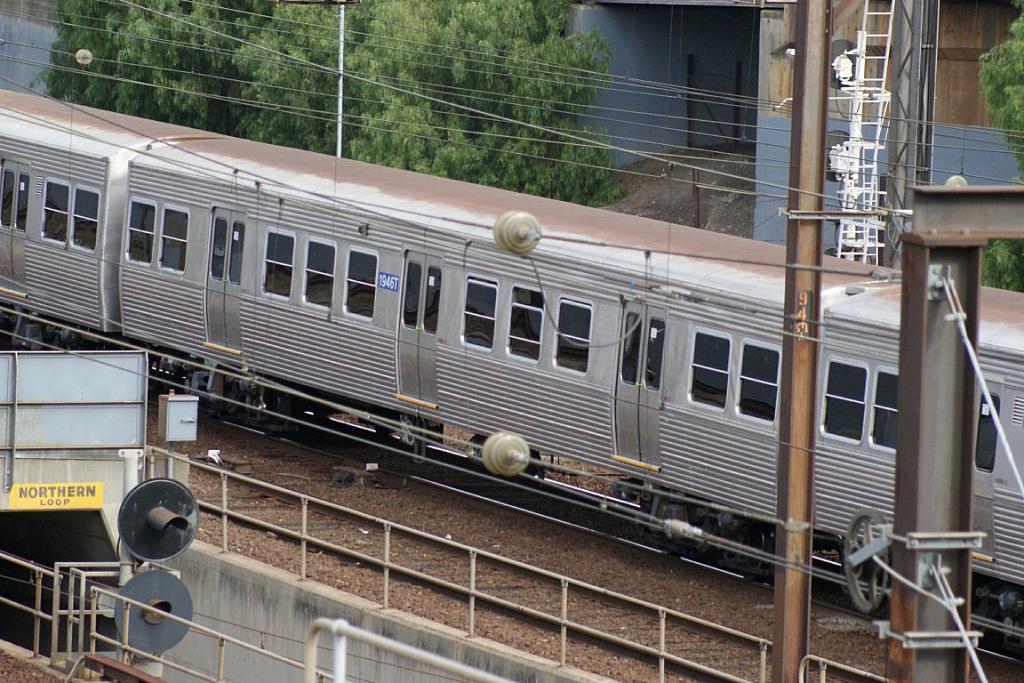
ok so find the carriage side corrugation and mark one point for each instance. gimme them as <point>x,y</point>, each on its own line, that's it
<point>717,460</point>
<point>337,356</point>
<point>162,310</point>
<point>849,480</point>
<point>1008,526</point>
<point>556,413</point>
<point>63,282</point>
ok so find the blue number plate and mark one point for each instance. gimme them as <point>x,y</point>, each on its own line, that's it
<point>388,281</point>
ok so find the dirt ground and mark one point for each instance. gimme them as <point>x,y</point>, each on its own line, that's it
<point>724,182</point>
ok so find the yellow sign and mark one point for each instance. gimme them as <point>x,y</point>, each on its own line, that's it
<point>72,495</point>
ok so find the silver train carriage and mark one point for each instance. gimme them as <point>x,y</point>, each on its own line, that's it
<point>384,287</point>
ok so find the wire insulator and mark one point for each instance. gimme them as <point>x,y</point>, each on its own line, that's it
<point>505,454</point>
<point>517,232</point>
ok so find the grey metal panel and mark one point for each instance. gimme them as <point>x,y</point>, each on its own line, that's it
<point>338,355</point>
<point>84,377</point>
<point>164,310</point>
<point>99,402</point>
<point>78,426</point>
<point>63,282</point>
<point>718,459</point>
<point>1009,530</point>
<point>55,161</point>
<point>554,412</point>
<point>848,480</point>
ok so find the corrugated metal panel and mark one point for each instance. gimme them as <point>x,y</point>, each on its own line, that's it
<point>1008,524</point>
<point>55,161</point>
<point>63,282</point>
<point>554,413</point>
<point>171,312</point>
<point>334,355</point>
<point>711,457</point>
<point>847,481</point>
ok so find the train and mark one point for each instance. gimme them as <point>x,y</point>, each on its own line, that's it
<point>637,346</point>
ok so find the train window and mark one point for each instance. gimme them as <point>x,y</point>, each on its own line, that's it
<point>362,283</point>
<point>55,211</point>
<point>478,321</point>
<point>21,217</point>
<point>631,349</point>
<point>985,449</point>
<point>235,258</point>
<point>141,224</point>
<point>573,350</point>
<point>84,218</point>
<point>432,303</point>
<point>759,382</point>
<point>710,382</point>
<point>655,353</point>
<point>218,248</point>
<point>319,273</point>
<point>411,305</point>
<point>7,206</point>
<point>174,241</point>
<point>525,323</point>
<point>883,431</point>
<point>844,400</point>
<point>277,275</point>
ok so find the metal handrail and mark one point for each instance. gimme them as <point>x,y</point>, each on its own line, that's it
<point>122,646</point>
<point>824,665</point>
<point>474,554</point>
<point>342,630</point>
<point>40,573</point>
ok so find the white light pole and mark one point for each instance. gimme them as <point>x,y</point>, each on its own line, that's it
<point>341,52</point>
<point>341,68</point>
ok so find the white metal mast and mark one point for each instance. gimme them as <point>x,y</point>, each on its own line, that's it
<point>862,73</point>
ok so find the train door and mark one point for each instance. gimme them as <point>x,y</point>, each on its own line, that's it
<point>15,183</point>
<point>985,453</point>
<point>223,287</point>
<point>638,392</point>
<point>417,330</point>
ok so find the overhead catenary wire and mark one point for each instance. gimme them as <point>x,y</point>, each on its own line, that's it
<point>507,53</point>
<point>779,161</point>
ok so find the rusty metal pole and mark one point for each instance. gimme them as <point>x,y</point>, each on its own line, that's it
<point>938,411</point>
<point>795,469</point>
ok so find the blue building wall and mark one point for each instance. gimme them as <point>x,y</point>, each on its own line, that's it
<point>26,33</point>
<point>691,48</point>
<point>979,154</point>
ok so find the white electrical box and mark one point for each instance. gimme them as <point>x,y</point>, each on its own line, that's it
<point>178,417</point>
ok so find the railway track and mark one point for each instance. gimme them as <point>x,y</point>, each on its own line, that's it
<point>538,502</point>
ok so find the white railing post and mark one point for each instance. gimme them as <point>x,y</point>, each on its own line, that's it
<point>472,593</point>
<point>302,538</point>
<point>564,635</point>
<point>223,512</point>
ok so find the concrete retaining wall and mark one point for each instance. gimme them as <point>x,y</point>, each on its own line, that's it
<point>272,608</point>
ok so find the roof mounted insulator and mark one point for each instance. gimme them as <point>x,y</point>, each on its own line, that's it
<point>517,232</point>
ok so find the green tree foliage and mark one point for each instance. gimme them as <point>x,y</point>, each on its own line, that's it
<point>1002,79</point>
<point>151,66</point>
<point>500,57</point>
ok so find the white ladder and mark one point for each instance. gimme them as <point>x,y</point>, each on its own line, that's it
<point>855,161</point>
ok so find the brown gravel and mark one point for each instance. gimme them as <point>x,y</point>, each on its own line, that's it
<point>656,578</point>
<point>19,669</point>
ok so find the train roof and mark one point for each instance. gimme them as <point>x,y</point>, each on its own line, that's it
<point>700,257</point>
<point>1002,314</point>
